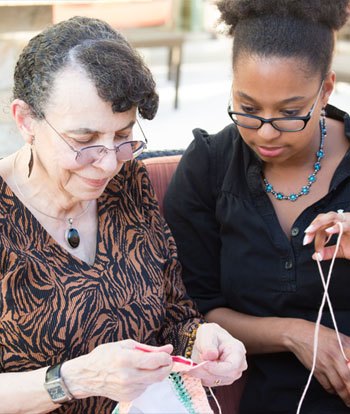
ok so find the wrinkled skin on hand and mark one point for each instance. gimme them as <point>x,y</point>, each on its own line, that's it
<point>119,371</point>
<point>225,356</point>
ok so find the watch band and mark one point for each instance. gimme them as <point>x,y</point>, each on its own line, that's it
<point>55,385</point>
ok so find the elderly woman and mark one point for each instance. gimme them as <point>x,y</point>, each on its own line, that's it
<point>89,269</point>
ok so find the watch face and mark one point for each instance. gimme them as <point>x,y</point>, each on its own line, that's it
<point>55,385</point>
<point>56,392</point>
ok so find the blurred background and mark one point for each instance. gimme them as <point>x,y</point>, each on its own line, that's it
<point>180,41</point>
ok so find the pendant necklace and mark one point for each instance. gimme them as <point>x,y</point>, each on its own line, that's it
<point>71,235</point>
<point>311,179</point>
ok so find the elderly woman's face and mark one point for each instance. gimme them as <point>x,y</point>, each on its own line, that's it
<point>81,118</point>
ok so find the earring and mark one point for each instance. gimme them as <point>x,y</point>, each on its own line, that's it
<point>31,159</point>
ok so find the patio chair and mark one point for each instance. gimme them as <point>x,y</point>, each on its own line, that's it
<point>161,166</point>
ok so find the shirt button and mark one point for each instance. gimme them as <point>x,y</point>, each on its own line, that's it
<point>288,264</point>
<point>294,232</point>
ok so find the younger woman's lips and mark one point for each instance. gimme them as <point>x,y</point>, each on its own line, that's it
<point>270,152</point>
<point>95,183</point>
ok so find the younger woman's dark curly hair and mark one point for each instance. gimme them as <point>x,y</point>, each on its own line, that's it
<point>116,69</point>
<point>286,28</point>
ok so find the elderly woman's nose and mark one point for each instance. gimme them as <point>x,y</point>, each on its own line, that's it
<point>108,162</point>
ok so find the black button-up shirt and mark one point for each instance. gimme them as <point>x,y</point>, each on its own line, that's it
<point>235,254</point>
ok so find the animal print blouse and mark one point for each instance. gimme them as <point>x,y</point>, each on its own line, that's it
<point>54,307</point>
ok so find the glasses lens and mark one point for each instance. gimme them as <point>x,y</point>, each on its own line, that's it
<point>245,121</point>
<point>289,124</point>
<point>130,150</point>
<point>124,152</point>
<point>89,155</point>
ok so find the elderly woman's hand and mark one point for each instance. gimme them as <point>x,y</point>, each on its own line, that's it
<point>117,370</point>
<point>225,356</point>
<point>322,228</point>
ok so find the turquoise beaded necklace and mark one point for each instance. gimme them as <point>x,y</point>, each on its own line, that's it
<point>312,178</point>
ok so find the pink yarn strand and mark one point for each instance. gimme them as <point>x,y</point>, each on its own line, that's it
<point>325,297</point>
<point>215,399</point>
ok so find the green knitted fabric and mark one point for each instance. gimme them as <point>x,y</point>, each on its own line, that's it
<point>181,391</point>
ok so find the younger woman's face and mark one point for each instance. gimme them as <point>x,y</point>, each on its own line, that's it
<point>273,87</point>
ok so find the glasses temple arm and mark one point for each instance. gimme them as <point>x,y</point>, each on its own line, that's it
<point>318,95</point>
<point>138,123</point>
<point>69,145</point>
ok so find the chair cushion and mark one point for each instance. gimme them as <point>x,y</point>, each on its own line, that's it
<point>160,170</point>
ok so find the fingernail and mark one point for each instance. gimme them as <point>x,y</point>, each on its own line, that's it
<point>306,240</point>
<point>330,230</point>
<point>308,229</point>
<point>317,256</point>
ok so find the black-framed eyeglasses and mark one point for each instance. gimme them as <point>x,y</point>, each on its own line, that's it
<point>125,151</point>
<point>285,124</point>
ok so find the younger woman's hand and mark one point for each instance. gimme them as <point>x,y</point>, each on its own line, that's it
<point>322,228</point>
<point>331,371</point>
<point>225,356</point>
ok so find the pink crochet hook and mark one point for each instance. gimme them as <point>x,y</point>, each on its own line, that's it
<point>179,359</point>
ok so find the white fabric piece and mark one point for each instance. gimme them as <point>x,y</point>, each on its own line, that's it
<point>159,398</point>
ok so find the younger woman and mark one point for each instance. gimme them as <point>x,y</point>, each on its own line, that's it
<point>241,199</point>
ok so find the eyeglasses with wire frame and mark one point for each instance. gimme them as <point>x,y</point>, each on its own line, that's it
<point>125,151</point>
<point>285,124</point>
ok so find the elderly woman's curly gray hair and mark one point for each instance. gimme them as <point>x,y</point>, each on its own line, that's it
<point>116,69</point>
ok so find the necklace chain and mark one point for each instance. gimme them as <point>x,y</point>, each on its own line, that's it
<point>311,179</point>
<point>69,219</point>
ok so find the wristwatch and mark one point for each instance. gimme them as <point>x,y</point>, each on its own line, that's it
<point>55,385</point>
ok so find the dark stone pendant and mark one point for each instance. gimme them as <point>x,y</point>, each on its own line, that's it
<point>72,236</point>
